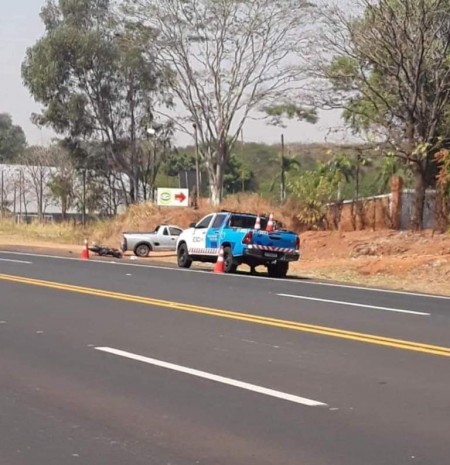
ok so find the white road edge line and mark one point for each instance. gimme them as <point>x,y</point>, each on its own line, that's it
<point>292,281</point>
<point>216,378</point>
<point>15,261</point>
<point>353,304</point>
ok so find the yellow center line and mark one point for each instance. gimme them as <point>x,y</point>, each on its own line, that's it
<point>256,319</point>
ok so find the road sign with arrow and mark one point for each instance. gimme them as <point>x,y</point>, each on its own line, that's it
<point>169,197</point>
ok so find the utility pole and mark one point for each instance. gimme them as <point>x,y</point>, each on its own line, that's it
<point>242,160</point>
<point>41,194</point>
<point>84,196</point>
<point>283,174</point>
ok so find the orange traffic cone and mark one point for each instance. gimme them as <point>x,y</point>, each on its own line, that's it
<point>270,223</point>
<point>258,223</point>
<point>85,251</point>
<point>219,266</point>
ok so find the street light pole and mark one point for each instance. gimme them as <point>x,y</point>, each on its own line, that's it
<point>197,171</point>
<point>283,175</point>
<point>20,196</point>
<point>151,132</point>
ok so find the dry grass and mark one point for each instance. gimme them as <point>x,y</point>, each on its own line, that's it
<point>65,233</point>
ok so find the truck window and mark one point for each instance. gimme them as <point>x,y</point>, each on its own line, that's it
<point>175,231</point>
<point>204,223</point>
<point>247,222</point>
<point>218,220</point>
<point>165,232</point>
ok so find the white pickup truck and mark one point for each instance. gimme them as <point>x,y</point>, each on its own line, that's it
<point>164,237</point>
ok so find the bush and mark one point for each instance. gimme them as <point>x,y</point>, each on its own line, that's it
<point>313,193</point>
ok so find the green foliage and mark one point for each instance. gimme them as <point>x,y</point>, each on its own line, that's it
<point>392,76</point>
<point>62,190</point>
<point>313,192</point>
<point>288,110</point>
<point>238,176</point>
<point>12,139</point>
<point>342,72</point>
<point>340,167</point>
<point>98,84</point>
<point>177,161</point>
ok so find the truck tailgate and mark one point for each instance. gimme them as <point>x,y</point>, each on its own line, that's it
<point>281,239</point>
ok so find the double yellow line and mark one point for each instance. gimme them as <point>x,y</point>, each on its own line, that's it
<point>256,319</point>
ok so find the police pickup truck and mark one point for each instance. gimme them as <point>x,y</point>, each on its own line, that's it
<point>241,242</point>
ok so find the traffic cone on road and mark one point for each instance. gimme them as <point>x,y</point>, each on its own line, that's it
<point>85,251</point>
<point>270,223</point>
<point>219,266</point>
<point>258,223</point>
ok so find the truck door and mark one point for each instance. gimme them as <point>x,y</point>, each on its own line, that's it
<point>198,245</point>
<point>213,233</point>
<point>164,238</point>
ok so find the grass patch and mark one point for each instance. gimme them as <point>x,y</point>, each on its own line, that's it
<point>61,233</point>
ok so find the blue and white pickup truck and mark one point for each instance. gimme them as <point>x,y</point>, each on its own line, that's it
<point>241,242</point>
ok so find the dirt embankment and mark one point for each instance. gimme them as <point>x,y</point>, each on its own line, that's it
<point>399,260</point>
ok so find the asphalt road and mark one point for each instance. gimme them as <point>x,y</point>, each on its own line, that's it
<point>116,363</point>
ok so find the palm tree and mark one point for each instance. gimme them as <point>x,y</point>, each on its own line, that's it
<point>390,166</point>
<point>288,165</point>
<point>342,168</point>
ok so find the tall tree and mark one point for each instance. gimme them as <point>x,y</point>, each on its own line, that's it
<point>391,73</point>
<point>12,139</point>
<point>62,180</point>
<point>96,81</point>
<point>230,58</point>
<point>37,168</point>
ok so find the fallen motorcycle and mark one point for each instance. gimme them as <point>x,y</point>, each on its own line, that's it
<point>103,251</point>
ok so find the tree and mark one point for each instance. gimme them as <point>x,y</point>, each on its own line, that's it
<point>12,139</point>
<point>390,166</point>
<point>390,72</point>
<point>313,192</point>
<point>176,161</point>
<point>340,168</point>
<point>97,82</point>
<point>238,176</point>
<point>230,58</point>
<point>289,165</point>
<point>37,168</point>
<point>62,180</point>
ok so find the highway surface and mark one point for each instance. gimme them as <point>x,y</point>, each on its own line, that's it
<point>121,364</point>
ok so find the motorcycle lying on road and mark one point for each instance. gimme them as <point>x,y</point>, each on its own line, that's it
<point>103,251</point>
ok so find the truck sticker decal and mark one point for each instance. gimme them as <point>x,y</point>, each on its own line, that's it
<point>203,251</point>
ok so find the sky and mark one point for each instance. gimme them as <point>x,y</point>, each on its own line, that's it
<point>21,27</point>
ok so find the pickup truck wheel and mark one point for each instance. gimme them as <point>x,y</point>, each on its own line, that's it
<point>279,270</point>
<point>183,258</point>
<point>228,265</point>
<point>142,250</point>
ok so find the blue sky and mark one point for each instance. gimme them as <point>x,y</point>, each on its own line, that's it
<point>21,27</point>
